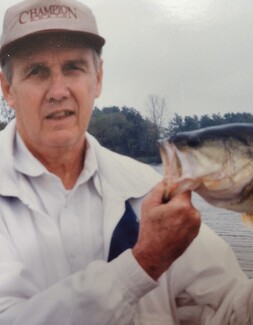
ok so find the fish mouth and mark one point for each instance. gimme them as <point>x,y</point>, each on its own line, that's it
<point>171,161</point>
<point>172,167</point>
<point>177,169</point>
<point>60,115</point>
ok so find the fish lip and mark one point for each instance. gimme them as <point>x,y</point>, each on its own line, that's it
<point>171,160</point>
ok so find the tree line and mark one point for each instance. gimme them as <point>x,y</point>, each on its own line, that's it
<point>189,123</point>
<point>126,131</point>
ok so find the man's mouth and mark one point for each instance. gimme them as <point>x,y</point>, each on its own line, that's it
<point>59,115</point>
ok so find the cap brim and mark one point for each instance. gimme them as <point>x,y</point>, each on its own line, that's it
<point>91,40</point>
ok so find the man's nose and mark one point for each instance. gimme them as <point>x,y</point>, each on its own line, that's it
<point>57,88</point>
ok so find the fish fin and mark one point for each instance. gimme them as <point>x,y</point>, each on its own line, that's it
<point>248,219</point>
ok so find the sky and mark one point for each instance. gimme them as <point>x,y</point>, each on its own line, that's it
<point>197,54</point>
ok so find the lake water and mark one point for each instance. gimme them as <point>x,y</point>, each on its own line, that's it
<point>230,227</point>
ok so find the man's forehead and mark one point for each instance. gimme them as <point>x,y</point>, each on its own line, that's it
<point>61,55</point>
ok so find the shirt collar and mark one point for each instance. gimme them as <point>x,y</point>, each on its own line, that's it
<point>25,163</point>
<point>90,164</point>
<point>23,160</point>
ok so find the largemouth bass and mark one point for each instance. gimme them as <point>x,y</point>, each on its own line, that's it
<point>216,162</point>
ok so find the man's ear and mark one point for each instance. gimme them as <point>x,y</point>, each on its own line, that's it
<point>6,90</point>
<point>99,78</point>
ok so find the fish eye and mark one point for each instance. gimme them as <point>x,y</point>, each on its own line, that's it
<point>179,139</point>
<point>193,141</point>
<point>185,139</point>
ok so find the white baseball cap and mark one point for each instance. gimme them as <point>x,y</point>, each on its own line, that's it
<point>30,17</point>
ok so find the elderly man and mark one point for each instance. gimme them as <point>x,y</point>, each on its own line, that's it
<point>85,237</point>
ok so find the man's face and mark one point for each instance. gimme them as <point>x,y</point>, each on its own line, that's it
<point>53,92</point>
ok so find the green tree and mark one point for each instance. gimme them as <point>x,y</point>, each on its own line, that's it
<point>6,113</point>
<point>158,113</point>
<point>180,124</point>
<point>217,119</point>
<point>2,125</point>
<point>176,124</point>
<point>191,123</point>
<point>125,131</point>
<point>205,121</point>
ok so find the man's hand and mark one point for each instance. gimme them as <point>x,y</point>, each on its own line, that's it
<point>166,230</point>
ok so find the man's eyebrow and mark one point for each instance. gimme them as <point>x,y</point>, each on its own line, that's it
<point>79,62</point>
<point>31,65</point>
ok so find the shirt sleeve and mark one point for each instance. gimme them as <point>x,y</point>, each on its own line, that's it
<point>103,293</point>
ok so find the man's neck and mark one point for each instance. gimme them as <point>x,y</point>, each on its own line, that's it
<point>64,163</point>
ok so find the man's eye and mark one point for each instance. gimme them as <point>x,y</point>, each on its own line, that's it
<point>71,67</point>
<point>38,70</point>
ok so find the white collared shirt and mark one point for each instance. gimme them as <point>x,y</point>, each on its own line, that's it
<point>78,212</point>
